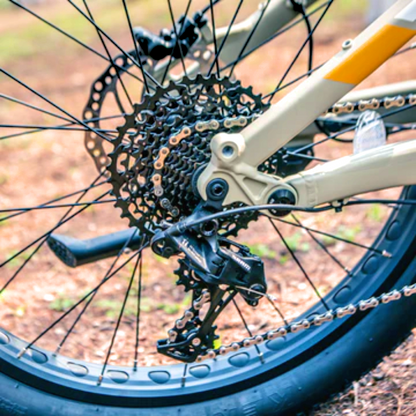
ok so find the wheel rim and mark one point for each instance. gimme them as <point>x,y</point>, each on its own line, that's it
<point>67,377</point>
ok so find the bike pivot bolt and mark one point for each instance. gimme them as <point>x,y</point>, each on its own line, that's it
<point>281,197</point>
<point>217,189</point>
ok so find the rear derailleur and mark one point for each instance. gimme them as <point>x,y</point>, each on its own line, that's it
<point>216,269</point>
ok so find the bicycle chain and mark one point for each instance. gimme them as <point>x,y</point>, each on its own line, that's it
<point>190,318</point>
<point>373,104</point>
<point>307,323</point>
<point>341,312</point>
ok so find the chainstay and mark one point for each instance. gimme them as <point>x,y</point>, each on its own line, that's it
<point>307,323</point>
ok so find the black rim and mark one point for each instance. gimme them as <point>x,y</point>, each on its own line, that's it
<point>68,378</point>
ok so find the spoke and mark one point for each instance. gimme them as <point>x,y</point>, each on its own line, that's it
<point>277,309</point>
<point>215,38</point>
<point>322,246</point>
<point>77,204</point>
<point>274,36</point>
<point>42,240</point>
<point>90,300</point>
<point>309,29</point>
<point>270,298</point>
<point>347,130</point>
<point>50,24</point>
<point>392,128</point>
<point>176,42</point>
<point>299,264</point>
<point>53,104</point>
<point>185,371</point>
<point>172,17</point>
<point>209,6</point>
<point>126,54</point>
<point>227,34</point>
<point>410,48</point>
<point>135,45</point>
<point>250,36</point>
<point>10,136</point>
<point>306,42</point>
<point>294,81</point>
<point>120,316</point>
<point>303,156</point>
<point>35,127</point>
<point>47,234</point>
<point>82,300</point>
<point>55,200</point>
<point>259,353</point>
<point>33,107</point>
<point>139,298</point>
<point>306,74</point>
<point>335,237</point>
<point>109,55</point>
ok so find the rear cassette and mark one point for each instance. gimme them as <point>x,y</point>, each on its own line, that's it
<point>167,139</point>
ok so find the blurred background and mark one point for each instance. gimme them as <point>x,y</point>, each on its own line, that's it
<point>42,166</point>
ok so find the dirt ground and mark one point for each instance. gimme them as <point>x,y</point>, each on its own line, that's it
<point>387,390</point>
<point>40,167</point>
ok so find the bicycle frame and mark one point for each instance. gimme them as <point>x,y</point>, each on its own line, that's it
<point>248,35</point>
<point>390,166</point>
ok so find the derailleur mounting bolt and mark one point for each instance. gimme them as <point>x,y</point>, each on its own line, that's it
<point>210,228</point>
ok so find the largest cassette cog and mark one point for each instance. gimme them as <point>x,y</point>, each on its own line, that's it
<point>164,142</point>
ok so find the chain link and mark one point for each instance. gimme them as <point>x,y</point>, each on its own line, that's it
<point>329,316</point>
<point>373,104</point>
<point>296,327</point>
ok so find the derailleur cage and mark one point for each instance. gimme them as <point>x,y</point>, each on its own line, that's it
<point>214,259</point>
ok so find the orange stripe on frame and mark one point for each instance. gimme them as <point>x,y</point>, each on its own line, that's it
<point>370,56</point>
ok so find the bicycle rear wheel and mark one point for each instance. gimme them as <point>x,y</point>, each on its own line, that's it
<point>84,349</point>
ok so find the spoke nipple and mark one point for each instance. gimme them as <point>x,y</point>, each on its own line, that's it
<point>21,353</point>
<point>135,365</point>
<point>100,379</point>
<point>387,254</point>
<point>261,356</point>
